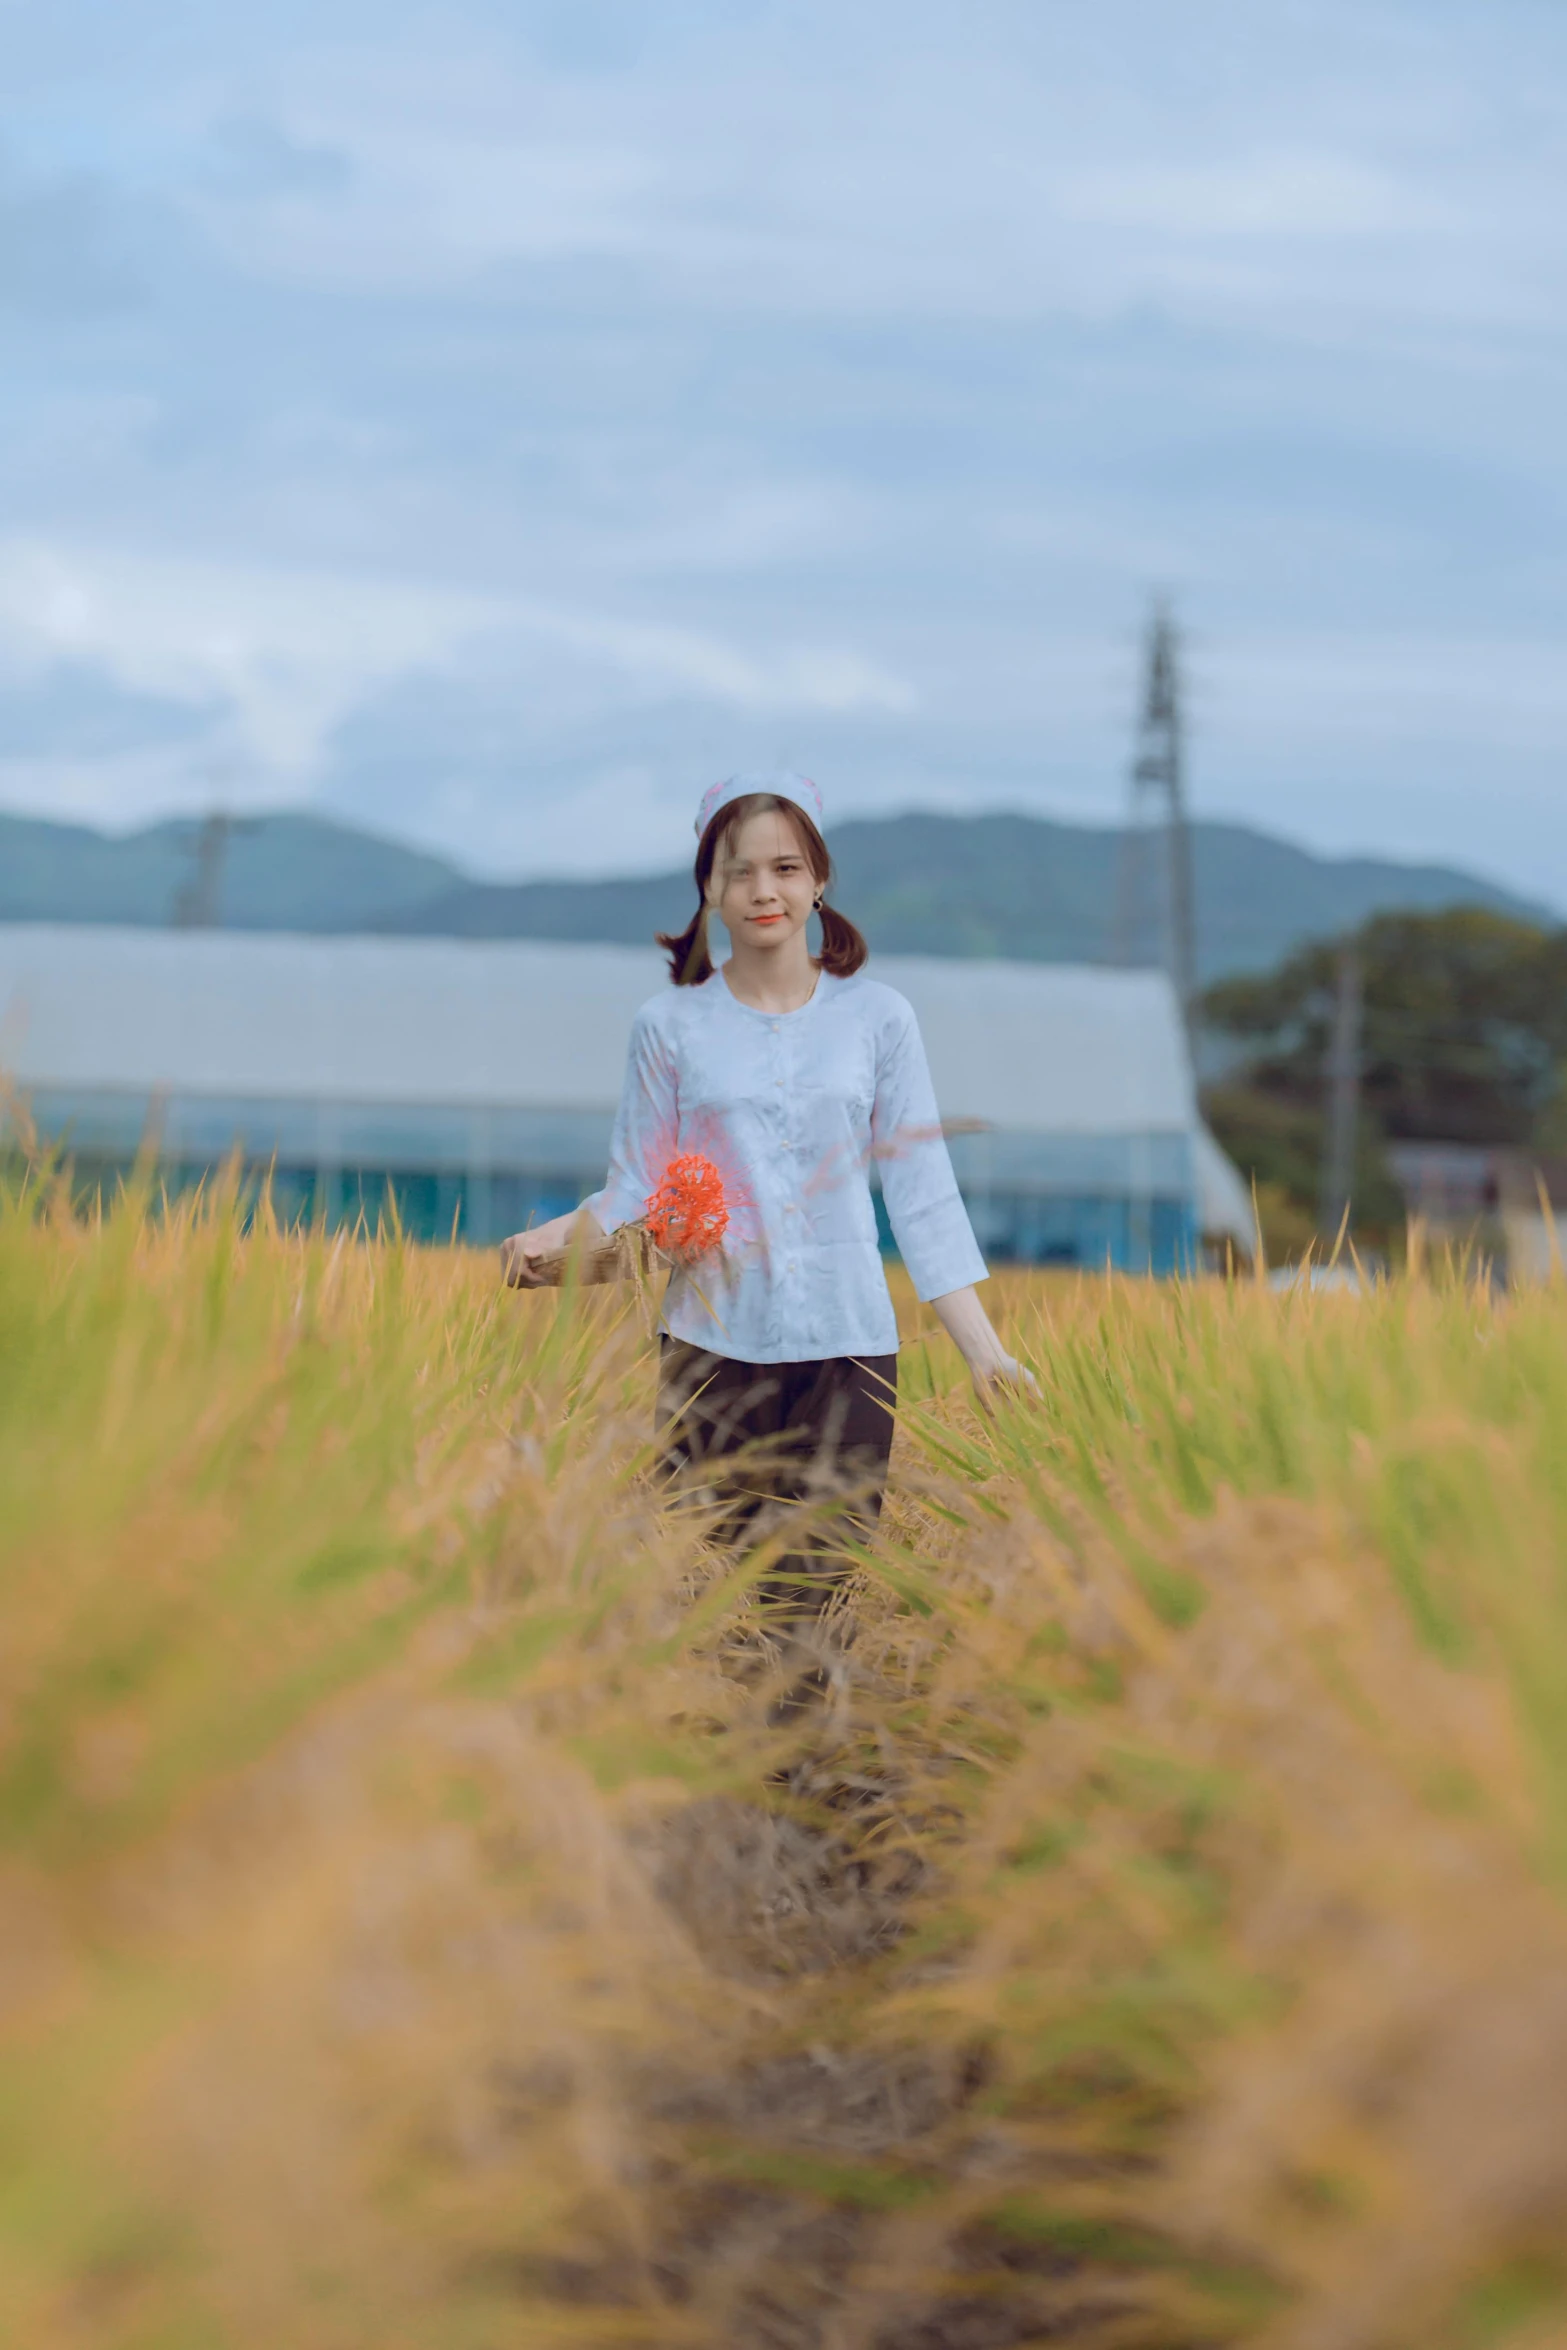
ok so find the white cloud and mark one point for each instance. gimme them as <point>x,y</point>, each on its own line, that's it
<point>659,660</point>
<point>280,659</point>
<point>1280,194</point>
<point>278,656</point>
<point>924,159</point>
<point>1483,696</point>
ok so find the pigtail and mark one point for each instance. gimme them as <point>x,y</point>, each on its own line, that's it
<point>689,961</point>
<point>844,951</point>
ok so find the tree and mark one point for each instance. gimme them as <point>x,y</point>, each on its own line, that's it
<point>1464,1039</point>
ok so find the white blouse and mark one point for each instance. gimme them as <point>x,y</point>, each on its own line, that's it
<point>792,1107</point>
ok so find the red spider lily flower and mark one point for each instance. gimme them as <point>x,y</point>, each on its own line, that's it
<point>688,1214</point>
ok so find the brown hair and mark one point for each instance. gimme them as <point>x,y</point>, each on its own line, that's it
<point>843,949</point>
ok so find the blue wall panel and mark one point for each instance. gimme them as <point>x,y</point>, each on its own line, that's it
<point>1131,1235</point>
<point>1046,1199</point>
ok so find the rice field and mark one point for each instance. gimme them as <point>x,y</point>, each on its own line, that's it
<point>428,1923</point>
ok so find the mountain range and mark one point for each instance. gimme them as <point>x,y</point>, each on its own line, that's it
<point>1010,885</point>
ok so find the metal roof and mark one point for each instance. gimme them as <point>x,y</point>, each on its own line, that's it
<point>1034,1047</point>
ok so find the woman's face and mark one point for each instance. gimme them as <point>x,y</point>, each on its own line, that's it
<point>762,887</point>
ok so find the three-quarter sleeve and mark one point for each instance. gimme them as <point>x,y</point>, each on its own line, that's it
<point>924,1206</point>
<point>646,1123</point>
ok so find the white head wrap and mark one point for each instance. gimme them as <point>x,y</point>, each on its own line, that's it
<point>778,781</point>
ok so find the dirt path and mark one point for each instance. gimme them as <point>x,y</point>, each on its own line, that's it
<point>795,2211</point>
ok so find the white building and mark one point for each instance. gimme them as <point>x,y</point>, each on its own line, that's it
<point>480,1079</point>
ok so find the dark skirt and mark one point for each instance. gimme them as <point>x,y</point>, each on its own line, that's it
<point>764,1438</point>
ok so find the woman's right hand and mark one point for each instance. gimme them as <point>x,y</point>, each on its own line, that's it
<point>528,1258</point>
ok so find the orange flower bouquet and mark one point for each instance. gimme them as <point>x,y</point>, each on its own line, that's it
<point>685,1219</point>
<point>688,1215</point>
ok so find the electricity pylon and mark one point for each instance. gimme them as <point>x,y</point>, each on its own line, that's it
<point>198,902</point>
<point>1155,915</point>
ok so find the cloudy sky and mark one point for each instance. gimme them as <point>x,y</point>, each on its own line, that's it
<point>493,419</point>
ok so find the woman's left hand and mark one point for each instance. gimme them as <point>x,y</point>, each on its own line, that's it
<point>1002,1371</point>
<point>990,1366</point>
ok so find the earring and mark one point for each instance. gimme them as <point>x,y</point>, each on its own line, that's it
<point>820,895</point>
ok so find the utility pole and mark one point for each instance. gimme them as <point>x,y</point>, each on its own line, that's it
<point>1343,1073</point>
<point>1154,924</point>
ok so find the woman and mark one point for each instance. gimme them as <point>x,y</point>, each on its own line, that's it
<point>791,1073</point>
